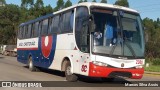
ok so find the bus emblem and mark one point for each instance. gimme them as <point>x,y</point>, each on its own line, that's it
<point>46,45</point>
<point>122,65</point>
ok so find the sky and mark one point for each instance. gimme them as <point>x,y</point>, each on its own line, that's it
<point>147,8</point>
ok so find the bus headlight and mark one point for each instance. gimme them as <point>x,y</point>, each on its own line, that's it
<point>140,66</point>
<point>99,63</point>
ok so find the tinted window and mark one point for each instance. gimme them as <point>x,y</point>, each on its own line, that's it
<point>20,32</point>
<point>55,24</point>
<point>67,22</point>
<point>29,31</point>
<point>33,29</point>
<point>71,20</point>
<point>67,25</point>
<point>44,27</point>
<point>36,29</point>
<point>40,28</point>
<point>25,33</point>
<point>82,37</point>
<point>50,25</point>
<point>62,19</point>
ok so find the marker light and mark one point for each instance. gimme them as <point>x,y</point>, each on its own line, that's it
<point>99,63</point>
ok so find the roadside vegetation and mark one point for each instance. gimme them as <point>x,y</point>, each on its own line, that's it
<point>152,65</point>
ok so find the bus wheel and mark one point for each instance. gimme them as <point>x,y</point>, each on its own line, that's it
<point>30,64</point>
<point>69,75</point>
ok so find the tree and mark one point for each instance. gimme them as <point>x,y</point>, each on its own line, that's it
<point>3,1</point>
<point>94,1</point>
<point>104,1</point>
<point>9,20</point>
<point>85,1</point>
<point>47,10</point>
<point>158,22</point>
<point>39,4</point>
<point>38,8</point>
<point>60,5</point>
<point>80,1</point>
<point>152,32</point>
<point>27,3</point>
<point>122,3</point>
<point>68,3</point>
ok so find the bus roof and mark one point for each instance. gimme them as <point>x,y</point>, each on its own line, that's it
<point>88,4</point>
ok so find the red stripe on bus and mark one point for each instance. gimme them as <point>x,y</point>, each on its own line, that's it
<point>27,48</point>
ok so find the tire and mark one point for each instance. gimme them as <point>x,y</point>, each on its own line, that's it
<point>107,79</point>
<point>70,76</point>
<point>30,65</point>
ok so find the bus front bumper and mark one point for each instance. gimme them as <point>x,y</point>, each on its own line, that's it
<point>101,71</point>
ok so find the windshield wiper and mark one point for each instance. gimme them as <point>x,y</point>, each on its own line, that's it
<point>130,47</point>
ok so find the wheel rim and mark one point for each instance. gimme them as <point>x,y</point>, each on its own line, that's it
<point>30,64</point>
<point>68,70</point>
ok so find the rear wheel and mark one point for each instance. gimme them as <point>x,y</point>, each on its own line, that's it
<point>69,75</point>
<point>30,65</point>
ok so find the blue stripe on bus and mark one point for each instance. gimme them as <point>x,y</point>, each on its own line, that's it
<point>41,61</point>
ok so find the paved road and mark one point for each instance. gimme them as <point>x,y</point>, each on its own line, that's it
<point>11,70</point>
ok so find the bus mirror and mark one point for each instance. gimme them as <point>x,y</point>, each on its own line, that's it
<point>91,26</point>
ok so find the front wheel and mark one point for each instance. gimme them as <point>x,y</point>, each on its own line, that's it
<point>69,75</point>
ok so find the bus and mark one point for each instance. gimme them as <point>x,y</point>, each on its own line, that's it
<point>88,39</point>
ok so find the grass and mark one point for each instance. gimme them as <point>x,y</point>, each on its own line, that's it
<point>153,68</point>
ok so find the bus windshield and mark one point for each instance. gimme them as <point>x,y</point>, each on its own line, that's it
<point>117,33</point>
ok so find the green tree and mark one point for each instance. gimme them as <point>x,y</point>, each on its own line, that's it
<point>9,20</point>
<point>60,5</point>
<point>85,1</point>
<point>47,10</point>
<point>104,1</point>
<point>27,3</point>
<point>3,1</point>
<point>38,8</point>
<point>94,1</point>
<point>68,3</point>
<point>152,32</point>
<point>124,3</point>
<point>39,4</point>
<point>80,1</point>
<point>158,22</point>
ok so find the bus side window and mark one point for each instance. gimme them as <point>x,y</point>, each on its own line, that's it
<point>55,24</point>
<point>20,32</point>
<point>36,29</point>
<point>44,27</point>
<point>32,30</point>
<point>67,20</point>
<point>62,19</point>
<point>40,28</point>
<point>29,31</point>
<point>71,21</point>
<point>25,33</point>
<point>50,26</point>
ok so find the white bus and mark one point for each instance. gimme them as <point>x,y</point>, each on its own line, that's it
<point>90,39</point>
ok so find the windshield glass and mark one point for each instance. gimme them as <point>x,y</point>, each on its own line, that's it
<point>117,33</point>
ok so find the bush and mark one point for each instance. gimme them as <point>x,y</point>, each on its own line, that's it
<point>156,61</point>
